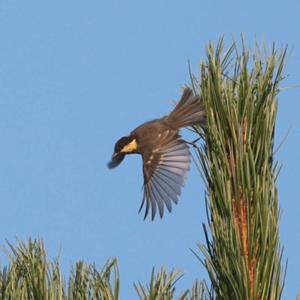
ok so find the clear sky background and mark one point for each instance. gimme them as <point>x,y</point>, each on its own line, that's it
<point>77,75</point>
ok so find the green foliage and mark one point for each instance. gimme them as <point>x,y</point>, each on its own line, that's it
<point>162,287</point>
<point>242,253</point>
<point>86,282</point>
<point>30,276</point>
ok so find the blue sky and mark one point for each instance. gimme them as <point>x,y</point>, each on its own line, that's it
<point>74,77</point>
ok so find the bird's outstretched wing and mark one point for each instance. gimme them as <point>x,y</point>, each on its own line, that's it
<point>165,170</point>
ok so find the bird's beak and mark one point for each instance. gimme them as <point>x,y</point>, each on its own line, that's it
<point>115,160</point>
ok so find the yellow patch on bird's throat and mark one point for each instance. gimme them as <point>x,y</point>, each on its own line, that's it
<point>131,147</point>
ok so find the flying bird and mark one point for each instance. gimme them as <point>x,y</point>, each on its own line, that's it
<point>166,156</point>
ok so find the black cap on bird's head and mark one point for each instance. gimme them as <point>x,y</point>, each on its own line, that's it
<point>122,143</point>
<point>125,145</point>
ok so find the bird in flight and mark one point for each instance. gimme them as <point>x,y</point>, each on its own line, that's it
<point>166,156</point>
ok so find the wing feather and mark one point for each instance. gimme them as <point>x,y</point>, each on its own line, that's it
<point>165,170</point>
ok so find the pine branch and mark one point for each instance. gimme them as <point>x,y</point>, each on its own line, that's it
<point>31,276</point>
<point>242,254</point>
<point>162,287</point>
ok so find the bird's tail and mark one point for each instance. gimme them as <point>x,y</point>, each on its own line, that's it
<point>189,111</point>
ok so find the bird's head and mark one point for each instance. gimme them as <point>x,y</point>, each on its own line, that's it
<point>125,145</point>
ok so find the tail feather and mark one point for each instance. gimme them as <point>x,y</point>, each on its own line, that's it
<point>189,111</point>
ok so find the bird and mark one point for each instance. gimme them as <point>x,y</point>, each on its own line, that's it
<point>165,154</point>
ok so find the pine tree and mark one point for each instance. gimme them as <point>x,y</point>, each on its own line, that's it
<point>242,251</point>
